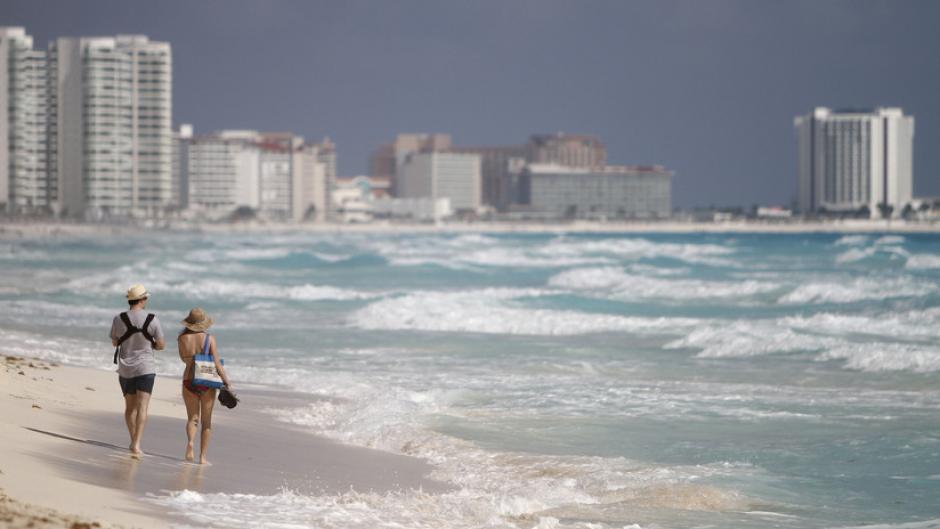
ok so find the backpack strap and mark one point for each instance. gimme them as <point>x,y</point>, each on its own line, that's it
<point>130,330</point>
<point>145,332</point>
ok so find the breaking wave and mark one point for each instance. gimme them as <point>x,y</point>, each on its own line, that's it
<point>875,357</point>
<point>470,251</point>
<point>923,262</point>
<point>615,283</point>
<point>497,311</point>
<point>858,289</point>
<point>864,343</point>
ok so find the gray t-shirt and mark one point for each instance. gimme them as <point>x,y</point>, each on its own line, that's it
<point>136,355</point>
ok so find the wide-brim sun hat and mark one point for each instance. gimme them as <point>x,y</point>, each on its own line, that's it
<point>197,320</point>
<point>137,292</point>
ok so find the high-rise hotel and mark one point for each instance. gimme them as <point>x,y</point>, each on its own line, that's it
<point>25,185</point>
<point>86,126</point>
<point>853,160</point>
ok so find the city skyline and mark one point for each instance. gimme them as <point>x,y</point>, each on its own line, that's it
<point>708,89</point>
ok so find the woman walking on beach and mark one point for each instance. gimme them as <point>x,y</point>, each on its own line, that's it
<point>199,399</point>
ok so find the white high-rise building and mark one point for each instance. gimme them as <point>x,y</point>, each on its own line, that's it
<point>24,116</point>
<point>436,174</point>
<point>311,181</point>
<point>112,100</point>
<point>223,173</point>
<point>850,160</point>
<point>276,175</point>
<point>326,157</point>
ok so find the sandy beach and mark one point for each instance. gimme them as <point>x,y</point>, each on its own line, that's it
<point>63,450</point>
<point>21,229</point>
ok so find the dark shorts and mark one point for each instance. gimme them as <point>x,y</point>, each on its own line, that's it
<point>129,386</point>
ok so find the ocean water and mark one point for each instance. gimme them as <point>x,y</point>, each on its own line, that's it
<point>557,381</point>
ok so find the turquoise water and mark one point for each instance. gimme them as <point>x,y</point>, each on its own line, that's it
<point>587,381</point>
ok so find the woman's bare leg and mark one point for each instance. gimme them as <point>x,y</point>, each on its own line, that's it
<point>192,420</point>
<point>206,402</point>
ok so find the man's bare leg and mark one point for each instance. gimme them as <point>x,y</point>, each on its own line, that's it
<point>130,416</point>
<point>143,403</point>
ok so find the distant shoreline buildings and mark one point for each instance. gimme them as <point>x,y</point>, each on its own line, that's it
<point>274,176</point>
<point>86,133</point>
<point>552,176</point>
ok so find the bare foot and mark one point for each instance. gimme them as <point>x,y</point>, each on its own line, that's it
<point>204,461</point>
<point>189,454</point>
<point>135,451</point>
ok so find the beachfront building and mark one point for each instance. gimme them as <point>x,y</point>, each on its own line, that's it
<point>113,138</point>
<point>555,191</point>
<point>313,167</point>
<point>855,161</point>
<point>85,126</point>
<point>351,203</point>
<point>25,186</point>
<point>436,174</point>
<point>414,209</point>
<point>386,160</point>
<point>325,155</point>
<point>275,173</point>
<point>571,150</point>
<point>275,176</point>
<point>222,171</point>
<point>497,171</point>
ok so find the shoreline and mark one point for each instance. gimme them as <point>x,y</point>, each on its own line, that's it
<point>63,450</point>
<point>24,229</point>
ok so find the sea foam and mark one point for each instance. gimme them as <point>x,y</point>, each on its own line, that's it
<point>497,311</point>
<point>615,283</point>
<point>858,289</point>
<point>874,357</point>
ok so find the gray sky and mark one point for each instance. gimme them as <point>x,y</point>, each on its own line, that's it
<point>708,88</point>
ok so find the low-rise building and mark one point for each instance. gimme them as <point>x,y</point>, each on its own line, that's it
<point>351,205</point>
<point>599,193</point>
<point>423,209</point>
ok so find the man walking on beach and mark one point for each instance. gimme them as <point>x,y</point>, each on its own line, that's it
<point>135,334</point>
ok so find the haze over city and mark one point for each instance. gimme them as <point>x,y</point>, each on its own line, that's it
<point>707,89</point>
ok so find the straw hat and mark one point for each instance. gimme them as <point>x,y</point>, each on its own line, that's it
<point>197,320</point>
<point>137,292</point>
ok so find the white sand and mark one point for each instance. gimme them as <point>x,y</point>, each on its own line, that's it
<point>46,229</point>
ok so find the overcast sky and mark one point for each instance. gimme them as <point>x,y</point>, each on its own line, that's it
<point>708,88</point>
